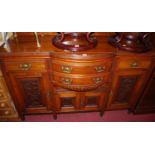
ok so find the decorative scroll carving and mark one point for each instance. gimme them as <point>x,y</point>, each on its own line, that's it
<point>32,92</point>
<point>79,87</point>
<point>125,89</point>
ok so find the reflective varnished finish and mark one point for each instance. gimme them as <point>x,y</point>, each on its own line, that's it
<point>55,80</point>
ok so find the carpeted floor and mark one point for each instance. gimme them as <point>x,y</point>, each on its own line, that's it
<point>109,116</point>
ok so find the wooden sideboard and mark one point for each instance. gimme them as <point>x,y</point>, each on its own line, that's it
<point>51,80</point>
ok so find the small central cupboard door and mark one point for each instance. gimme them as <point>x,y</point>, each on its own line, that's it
<point>67,101</point>
<point>92,101</point>
<point>71,101</point>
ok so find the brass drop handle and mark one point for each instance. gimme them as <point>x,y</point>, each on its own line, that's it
<point>134,65</point>
<point>66,80</point>
<point>100,69</point>
<point>98,80</point>
<point>25,66</point>
<point>66,69</point>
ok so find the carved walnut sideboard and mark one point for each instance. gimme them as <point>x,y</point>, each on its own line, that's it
<point>50,80</point>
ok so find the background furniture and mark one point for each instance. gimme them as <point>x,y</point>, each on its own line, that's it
<point>147,101</point>
<point>49,80</point>
<point>7,109</point>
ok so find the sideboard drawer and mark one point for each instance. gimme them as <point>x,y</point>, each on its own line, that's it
<point>133,63</point>
<point>25,66</point>
<point>80,79</point>
<point>82,67</point>
<point>79,82</point>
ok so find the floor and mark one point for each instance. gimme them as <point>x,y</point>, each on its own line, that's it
<point>109,116</point>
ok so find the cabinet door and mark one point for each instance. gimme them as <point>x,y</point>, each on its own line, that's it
<point>70,101</point>
<point>92,101</point>
<point>30,91</point>
<point>126,88</point>
<point>67,101</point>
<point>147,102</point>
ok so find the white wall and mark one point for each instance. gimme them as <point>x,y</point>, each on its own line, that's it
<point>10,33</point>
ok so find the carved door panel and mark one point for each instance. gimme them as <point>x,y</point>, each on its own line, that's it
<point>92,100</point>
<point>67,101</point>
<point>147,102</point>
<point>31,92</point>
<point>126,88</point>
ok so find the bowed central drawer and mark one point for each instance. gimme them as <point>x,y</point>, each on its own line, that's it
<point>80,82</point>
<point>88,67</point>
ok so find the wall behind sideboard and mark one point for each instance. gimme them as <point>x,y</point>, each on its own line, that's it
<point>53,33</point>
<point>10,33</point>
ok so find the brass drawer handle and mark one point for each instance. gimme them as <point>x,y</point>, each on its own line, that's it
<point>134,65</point>
<point>25,66</point>
<point>100,69</point>
<point>98,80</point>
<point>66,69</point>
<point>66,80</point>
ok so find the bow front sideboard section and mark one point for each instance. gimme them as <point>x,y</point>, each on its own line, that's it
<point>49,80</point>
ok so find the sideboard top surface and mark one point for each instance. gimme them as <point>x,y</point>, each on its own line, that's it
<point>27,46</point>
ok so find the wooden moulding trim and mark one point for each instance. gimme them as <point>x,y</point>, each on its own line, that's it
<point>82,56</point>
<point>78,87</point>
<point>75,55</point>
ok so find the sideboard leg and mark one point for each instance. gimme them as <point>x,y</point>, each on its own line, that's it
<point>101,113</point>
<point>22,117</point>
<point>55,116</point>
<point>129,111</point>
